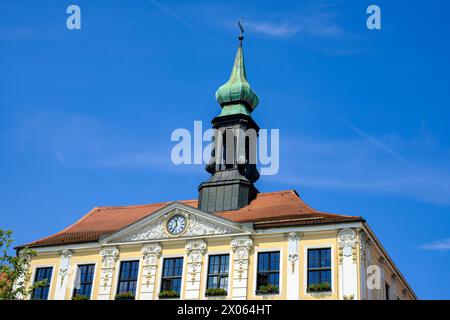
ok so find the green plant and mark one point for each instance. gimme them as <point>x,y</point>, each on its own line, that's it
<point>80,297</point>
<point>319,287</point>
<point>268,289</point>
<point>125,296</point>
<point>15,270</point>
<point>215,292</point>
<point>168,294</point>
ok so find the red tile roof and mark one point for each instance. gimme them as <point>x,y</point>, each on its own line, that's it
<point>272,209</point>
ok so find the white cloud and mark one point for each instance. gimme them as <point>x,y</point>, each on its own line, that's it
<point>440,245</point>
<point>274,29</point>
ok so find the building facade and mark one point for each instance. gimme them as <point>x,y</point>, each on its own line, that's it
<point>234,242</point>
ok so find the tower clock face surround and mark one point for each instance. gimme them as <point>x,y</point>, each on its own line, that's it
<point>176,225</point>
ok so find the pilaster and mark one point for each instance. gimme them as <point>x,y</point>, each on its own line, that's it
<point>293,270</point>
<point>150,256</point>
<point>109,257</point>
<point>63,272</point>
<point>195,251</point>
<point>241,251</point>
<point>364,263</point>
<point>348,277</point>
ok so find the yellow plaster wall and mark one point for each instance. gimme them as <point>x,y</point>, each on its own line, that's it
<point>214,246</point>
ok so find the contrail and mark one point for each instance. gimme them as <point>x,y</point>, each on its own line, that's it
<point>375,141</point>
<point>388,150</point>
<point>182,20</point>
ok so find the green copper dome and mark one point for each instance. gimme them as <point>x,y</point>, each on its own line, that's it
<point>236,96</point>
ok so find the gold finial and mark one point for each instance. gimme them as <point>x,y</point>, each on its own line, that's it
<point>241,35</point>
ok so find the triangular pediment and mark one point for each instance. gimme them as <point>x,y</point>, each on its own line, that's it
<point>197,224</point>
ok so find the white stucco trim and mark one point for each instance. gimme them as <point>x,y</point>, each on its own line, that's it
<point>236,227</point>
<point>309,228</point>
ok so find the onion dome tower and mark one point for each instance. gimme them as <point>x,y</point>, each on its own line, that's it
<point>233,158</point>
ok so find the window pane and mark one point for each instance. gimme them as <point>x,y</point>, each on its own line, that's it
<point>326,276</point>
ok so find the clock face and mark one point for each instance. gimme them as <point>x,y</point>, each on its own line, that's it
<point>176,225</point>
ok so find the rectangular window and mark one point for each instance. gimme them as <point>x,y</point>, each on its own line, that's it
<point>41,293</point>
<point>218,272</point>
<point>83,282</point>
<point>319,269</point>
<point>268,275</point>
<point>387,289</point>
<point>128,277</point>
<point>171,278</point>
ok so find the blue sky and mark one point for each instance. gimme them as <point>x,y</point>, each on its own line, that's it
<point>86,116</point>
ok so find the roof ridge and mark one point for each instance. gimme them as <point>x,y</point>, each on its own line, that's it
<point>338,214</point>
<point>143,205</point>
<point>183,201</point>
<point>276,192</point>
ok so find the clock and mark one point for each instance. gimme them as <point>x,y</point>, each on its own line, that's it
<point>176,225</point>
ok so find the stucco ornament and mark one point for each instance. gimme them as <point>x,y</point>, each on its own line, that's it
<point>66,255</point>
<point>150,255</point>
<point>195,227</point>
<point>241,248</point>
<point>195,251</point>
<point>405,293</point>
<point>364,248</point>
<point>109,257</point>
<point>293,239</point>
<point>347,244</point>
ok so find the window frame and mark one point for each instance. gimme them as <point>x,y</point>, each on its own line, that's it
<point>138,276</point>
<point>49,283</point>
<point>306,248</point>
<point>218,274</point>
<point>77,266</point>
<point>318,269</point>
<point>280,273</point>
<point>161,274</point>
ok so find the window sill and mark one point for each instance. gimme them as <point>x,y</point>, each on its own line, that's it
<point>320,294</point>
<point>169,298</point>
<point>259,293</point>
<point>216,297</point>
